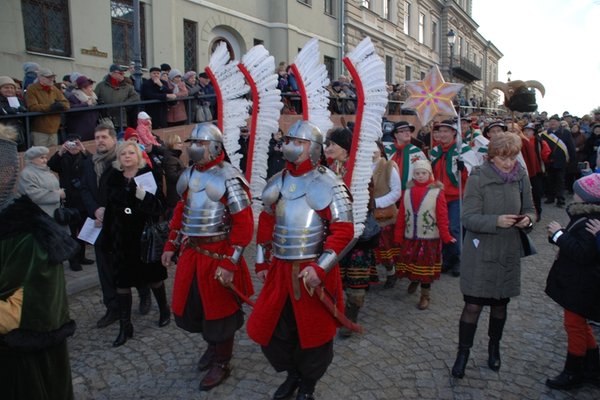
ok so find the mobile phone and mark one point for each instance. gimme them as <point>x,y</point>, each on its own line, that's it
<point>71,144</point>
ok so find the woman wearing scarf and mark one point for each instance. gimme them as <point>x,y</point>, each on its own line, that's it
<point>497,203</point>
<point>82,123</point>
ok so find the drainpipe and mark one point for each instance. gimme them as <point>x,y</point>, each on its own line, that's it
<point>341,40</point>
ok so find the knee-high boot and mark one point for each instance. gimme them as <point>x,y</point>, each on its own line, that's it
<point>592,367</point>
<point>125,326</point>
<point>572,376</point>
<point>466,333</point>
<point>495,334</point>
<point>160,294</point>
<point>219,370</point>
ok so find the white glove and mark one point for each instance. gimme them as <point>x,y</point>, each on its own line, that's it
<point>140,193</point>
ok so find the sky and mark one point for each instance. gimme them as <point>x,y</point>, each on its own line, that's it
<point>556,42</point>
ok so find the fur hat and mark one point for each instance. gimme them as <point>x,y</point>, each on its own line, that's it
<point>342,137</point>
<point>423,164</point>
<point>35,152</point>
<point>588,188</point>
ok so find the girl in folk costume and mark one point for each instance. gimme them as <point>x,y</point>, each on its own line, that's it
<point>422,222</point>
<point>386,192</point>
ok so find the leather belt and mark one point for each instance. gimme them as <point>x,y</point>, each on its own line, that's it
<point>196,240</point>
<point>210,254</point>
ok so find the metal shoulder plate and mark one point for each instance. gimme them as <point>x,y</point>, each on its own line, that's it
<point>237,196</point>
<point>216,178</point>
<point>328,190</point>
<point>183,181</point>
<point>271,192</point>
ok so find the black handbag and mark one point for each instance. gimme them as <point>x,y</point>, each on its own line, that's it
<point>370,235</point>
<point>153,239</point>
<point>527,246</point>
<point>66,216</point>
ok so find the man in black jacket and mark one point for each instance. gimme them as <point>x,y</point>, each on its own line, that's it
<point>157,89</point>
<point>562,152</point>
<point>94,173</point>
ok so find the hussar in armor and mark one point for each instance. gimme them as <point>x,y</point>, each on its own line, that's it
<point>211,225</point>
<point>306,223</point>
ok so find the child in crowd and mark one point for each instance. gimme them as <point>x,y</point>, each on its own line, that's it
<point>573,283</point>
<point>422,222</point>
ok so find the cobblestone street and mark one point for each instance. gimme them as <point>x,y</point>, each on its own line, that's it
<point>405,353</point>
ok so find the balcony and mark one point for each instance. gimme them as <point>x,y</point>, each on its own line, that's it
<point>466,70</point>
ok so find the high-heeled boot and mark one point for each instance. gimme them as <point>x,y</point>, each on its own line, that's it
<point>220,369</point>
<point>495,334</point>
<point>466,333</point>
<point>160,294</point>
<point>125,326</point>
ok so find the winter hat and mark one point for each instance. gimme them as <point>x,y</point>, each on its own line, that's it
<point>83,81</point>
<point>189,74</point>
<point>165,67</point>
<point>143,115</point>
<point>130,132</point>
<point>74,76</point>
<point>35,152</point>
<point>173,73</point>
<point>448,123</point>
<point>7,80</point>
<point>403,124</point>
<point>423,164</point>
<point>46,72</point>
<point>342,137</point>
<point>116,67</point>
<point>588,188</point>
<point>31,67</point>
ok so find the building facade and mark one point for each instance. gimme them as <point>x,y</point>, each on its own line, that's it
<point>88,35</point>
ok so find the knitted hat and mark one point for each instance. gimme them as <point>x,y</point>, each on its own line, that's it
<point>423,164</point>
<point>35,152</point>
<point>342,137</point>
<point>588,188</point>
<point>7,80</point>
<point>189,74</point>
<point>173,73</point>
<point>130,132</point>
<point>31,67</point>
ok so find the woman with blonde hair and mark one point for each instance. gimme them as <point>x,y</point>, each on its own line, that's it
<point>129,207</point>
<point>497,204</point>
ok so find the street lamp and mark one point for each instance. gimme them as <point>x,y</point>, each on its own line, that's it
<point>508,75</point>
<point>451,40</point>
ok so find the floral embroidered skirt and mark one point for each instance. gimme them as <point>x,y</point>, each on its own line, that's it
<point>358,269</point>
<point>387,252</point>
<point>420,260</point>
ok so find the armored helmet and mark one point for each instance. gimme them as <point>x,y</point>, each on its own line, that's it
<point>207,131</point>
<point>308,131</point>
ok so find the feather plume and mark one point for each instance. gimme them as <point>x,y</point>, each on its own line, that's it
<point>230,87</point>
<point>258,66</point>
<point>312,79</point>
<point>368,72</point>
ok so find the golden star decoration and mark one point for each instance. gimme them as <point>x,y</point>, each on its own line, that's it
<point>432,96</point>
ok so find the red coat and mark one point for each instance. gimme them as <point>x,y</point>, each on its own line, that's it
<point>315,325</point>
<point>217,301</point>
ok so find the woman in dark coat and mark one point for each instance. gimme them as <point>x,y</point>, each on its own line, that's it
<point>574,283</point>
<point>128,208</point>
<point>82,123</point>
<point>497,203</point>
<point>173,167</point>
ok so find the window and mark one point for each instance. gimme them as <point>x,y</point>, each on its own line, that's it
<point>423,75</point>
<point>386,9</point>
<point>461,46</point>
<point>305,2</point>
<point>407,73</point>
<point>407,7</point>
<point>421,28</point>
<point>47,26</point>
<point>258,41</point>
<point>190,45</point>
<point>389,70</point>
<point>329,7</point>
<point>121,12</point>
<point>434,35</point>
<point>329,63</point>
<point>366,4</point>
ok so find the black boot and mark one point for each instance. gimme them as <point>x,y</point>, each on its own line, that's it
<point>161,298</point>
<point>572,375</point>
<point>125,326</point>
<point>145,299</point>
<point>306,390</point>
<point>495,333</point>
<point>288,387</point>
<point>592,367</point>
<point>107,319</point>
<point>207,358</point>
<point>220,369</point>
<point>81,255</point>
<point>75,265</point>
<point>466,333</point>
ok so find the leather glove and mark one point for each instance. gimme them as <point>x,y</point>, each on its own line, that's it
<point>460,165</point>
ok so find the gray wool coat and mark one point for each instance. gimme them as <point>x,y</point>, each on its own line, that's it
<point>491,258</point>
<point>41,185</point>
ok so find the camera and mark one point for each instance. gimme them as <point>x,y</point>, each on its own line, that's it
<point>70,144</point>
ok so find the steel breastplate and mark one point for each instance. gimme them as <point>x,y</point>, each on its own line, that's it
<point>299,231</point>
<point>203,216</point>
